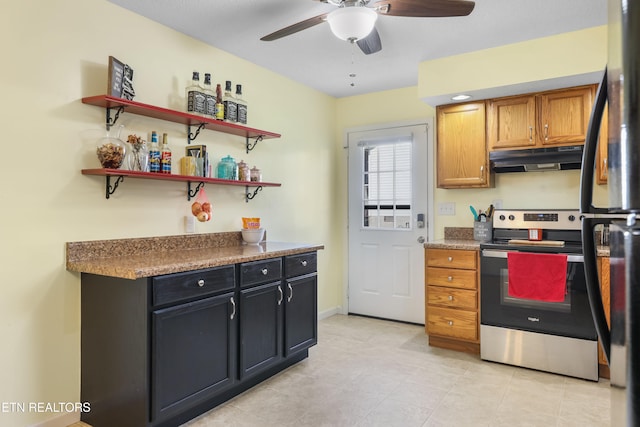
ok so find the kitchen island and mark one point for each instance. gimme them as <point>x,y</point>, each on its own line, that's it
<point>173,326</point>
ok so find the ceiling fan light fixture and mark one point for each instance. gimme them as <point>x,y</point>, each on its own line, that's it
<point>352,23</point>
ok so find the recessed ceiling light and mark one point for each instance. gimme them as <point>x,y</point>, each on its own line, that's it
<point>460,97</point>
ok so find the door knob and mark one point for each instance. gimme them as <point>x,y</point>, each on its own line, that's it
<point>421,239</point>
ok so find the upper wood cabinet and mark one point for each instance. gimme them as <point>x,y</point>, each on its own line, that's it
<point>552,118</point>
<point>511,122</point>
<point>602,155</point>
<point>461,146</point>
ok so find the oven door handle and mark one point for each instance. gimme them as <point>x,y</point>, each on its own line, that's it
<point>490,253</point>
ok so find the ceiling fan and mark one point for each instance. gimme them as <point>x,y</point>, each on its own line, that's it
<point>354,21</point>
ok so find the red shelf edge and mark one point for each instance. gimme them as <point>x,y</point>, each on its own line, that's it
<point>175,177</point>
<point>175,116</point>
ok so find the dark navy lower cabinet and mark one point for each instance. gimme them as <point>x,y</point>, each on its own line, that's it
<point>159,351</point>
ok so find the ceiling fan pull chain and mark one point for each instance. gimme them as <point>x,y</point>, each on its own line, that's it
<point>352,75</point>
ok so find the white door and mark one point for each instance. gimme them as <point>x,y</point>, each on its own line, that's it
<point>388,172</point>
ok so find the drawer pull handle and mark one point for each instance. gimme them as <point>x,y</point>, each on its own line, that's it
<point>450,259</point>
<point>281,294</point>
<point>304,263</point>
<point>201,283</point>
<point>233,304</point>
<point>450,297</point>
<point>265,271</point>
<point>290,292</point>
<point>450,322</point>
<point>450,278</point>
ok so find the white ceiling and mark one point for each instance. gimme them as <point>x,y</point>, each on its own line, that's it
<point>318,59</point>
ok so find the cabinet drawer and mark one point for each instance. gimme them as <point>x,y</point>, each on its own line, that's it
<point>452,323</point>
<point>450,297</point>
<point>191,284</point>
<point>298,265</point>
<point>451,258</point>
<point>255,272</point>
<point>450,277</point>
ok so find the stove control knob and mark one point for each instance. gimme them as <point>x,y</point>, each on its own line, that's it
<point>501,217</point>
<point>511,217</point>
<point>572,218</point>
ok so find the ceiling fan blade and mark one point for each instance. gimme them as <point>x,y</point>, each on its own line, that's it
<point>425,8</point>
<point>371,43</point>
<point>292,29</point>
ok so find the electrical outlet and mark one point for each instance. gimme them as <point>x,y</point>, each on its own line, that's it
<point>447,208</point>
<point>189,224</point>
<point>497,203</point>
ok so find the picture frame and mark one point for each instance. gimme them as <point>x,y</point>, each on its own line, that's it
<point>120,79</point>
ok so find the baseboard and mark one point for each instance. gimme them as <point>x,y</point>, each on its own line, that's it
<point>64,420</point>
<point>329,313</point>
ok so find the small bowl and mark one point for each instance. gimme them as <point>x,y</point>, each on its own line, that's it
<point>252,236</point>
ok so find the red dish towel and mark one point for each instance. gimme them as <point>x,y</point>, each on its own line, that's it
<point>541,277</point>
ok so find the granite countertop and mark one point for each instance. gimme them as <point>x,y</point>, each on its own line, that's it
<point>153,256</point>
<point>455,238</point>
<point>462,238</point>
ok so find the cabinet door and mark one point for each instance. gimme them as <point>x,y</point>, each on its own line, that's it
<point>564,116</point>
<point>193,353</point>
<point>511,122</point>
<point>461,146</point>
<point>260,328</point>
<point>301,313</point>
<point>602,156</point>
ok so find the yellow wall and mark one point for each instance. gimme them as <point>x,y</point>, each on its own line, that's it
<point>546,58</point>
<point>55,53</point>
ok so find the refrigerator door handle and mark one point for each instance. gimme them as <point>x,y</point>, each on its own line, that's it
<point>593,282</point>
<point>590,148</point>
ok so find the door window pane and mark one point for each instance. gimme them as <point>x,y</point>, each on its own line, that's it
<point>386,195</point>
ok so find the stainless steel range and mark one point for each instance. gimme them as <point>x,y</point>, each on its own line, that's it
<point>534,307</point>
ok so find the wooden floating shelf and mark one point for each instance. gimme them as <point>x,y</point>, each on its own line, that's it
<point>120,174</point>
<point>175,116</point>
<point>176,177</point>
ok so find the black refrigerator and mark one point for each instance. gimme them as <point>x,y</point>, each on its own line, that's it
<point>619,92</point>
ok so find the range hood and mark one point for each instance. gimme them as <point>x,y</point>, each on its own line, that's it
<point>537,159</point>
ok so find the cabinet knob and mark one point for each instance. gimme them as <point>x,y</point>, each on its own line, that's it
<point>450,297</point>
<point>450,322</point>
<point>281,295</point>
<point>290,292</point>
<point>304,263</point>
<point>450,259</point>
<point>530,133</point>
<point>265,271</point>
<point>450,279</point>
<point>201,282</point>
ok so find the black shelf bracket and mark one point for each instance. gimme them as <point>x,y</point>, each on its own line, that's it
<point>109,190</point>
<point>193,136</point>
<point>194,193</point>
<point>108,120</point>
<point>252,146</point>
<point>249,195</point>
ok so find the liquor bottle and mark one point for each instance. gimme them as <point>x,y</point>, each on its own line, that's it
<point>154,153</point>
<point>219,104</point>
<point>195,96</point>
<point>241,106</point>
<point>165,155</point>
<point>210,97</point>
<point>230,106</point>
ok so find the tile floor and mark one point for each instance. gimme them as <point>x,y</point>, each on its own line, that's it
<point>368,372</point>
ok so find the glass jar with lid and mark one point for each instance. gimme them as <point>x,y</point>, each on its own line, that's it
<point>256,175</point>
